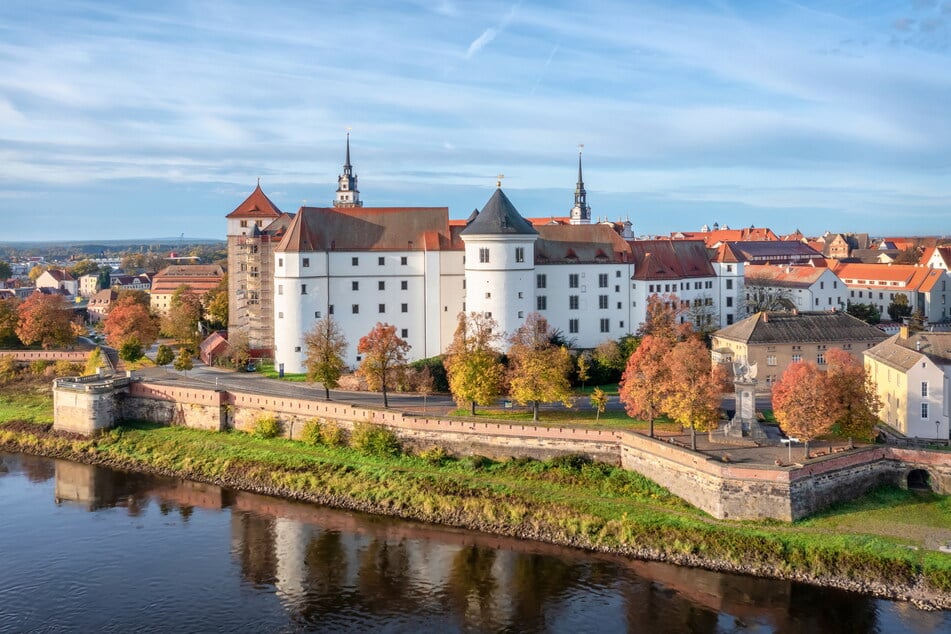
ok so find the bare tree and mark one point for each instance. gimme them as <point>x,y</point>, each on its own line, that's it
<point>763,295</point>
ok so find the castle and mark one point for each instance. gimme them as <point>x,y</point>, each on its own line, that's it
<point>417,269</point>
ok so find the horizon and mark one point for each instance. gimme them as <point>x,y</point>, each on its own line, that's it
<point>789,116</point>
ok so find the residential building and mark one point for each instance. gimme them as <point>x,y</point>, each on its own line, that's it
<point>911,373</point>
<point>140,282</point>
<point>776,252</point>
<point>774,340</point>
<point>804,287</point>
<point>57,279</point>
<point>936,258</point>
<point>198,278</point>
<point>88,285</point>
<point>100,303</point>
<point>926,289</point>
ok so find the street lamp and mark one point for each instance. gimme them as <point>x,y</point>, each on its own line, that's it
<point>937,429</point>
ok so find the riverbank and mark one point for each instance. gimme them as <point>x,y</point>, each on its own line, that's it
<point>568,502</point>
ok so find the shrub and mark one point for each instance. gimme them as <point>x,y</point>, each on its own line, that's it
<point>312,433</point>
<point>374,440</point>
<point>266,427</point>
<point>571,461</point>
<point>39,366</point>
<point>331,434</point>
<point>475,462</point>
<point>435,455</point>
<point>8,367</point>
<point>65,368</point>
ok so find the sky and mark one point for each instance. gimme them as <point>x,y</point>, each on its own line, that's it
<point>149,119</point>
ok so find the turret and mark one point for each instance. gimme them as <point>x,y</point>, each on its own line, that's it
<point>347,193</point>
<point>581,212</point>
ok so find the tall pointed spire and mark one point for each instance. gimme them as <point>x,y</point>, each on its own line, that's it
<point>347,193</point>
<point>581,212</point>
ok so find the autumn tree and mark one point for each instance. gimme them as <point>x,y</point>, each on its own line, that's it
<point>702,313</point>
<point>36,272</point>
<point>599,401</point>
<point>239,349</point>
<point>46,320</point>
<point>384,357</point>
<point>183,362</point>
<point>128,319</point>
<point>83,267</point>
<point>899,307</point>
<point>94,362</point>
<point>583,367</point>
<point>472,362</point>
<point>140,297</point>
<point>184,315</point>
<point>803,402</point>
<point>538,369</point>
<point>855,393</point>
<point>763,296</point>
<point>662,318</point>
<point>9,316</point>
<point>215,304</point>
<point>326,347</point>
<point>693,388</point>
<point>643,385</point>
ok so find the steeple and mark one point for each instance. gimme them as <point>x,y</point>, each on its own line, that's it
<point>581,212</point>
<point>347,193</point>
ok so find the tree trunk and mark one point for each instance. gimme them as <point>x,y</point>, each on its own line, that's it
<point>652,426</point>
<point>326,392</point>
<point>386,403</point>
<point>535,411</point>
<point>693,438</point>
<point>472,411</point>
<point>597,416</point>
<point>806,445</point>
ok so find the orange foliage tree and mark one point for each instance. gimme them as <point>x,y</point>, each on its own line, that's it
<point>128,319</point>
<point>384,357</point>
<point>662,318</point>
<point>46,320</point>
<point>804,402</point>
<point>643,385</point>
<point>693,387</point>
<point>855,393</point>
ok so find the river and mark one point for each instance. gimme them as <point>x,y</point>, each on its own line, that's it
<point>90,549</point>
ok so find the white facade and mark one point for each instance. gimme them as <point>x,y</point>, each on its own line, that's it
<point>500,279</point>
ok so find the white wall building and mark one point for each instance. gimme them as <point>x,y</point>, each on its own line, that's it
<point>926,289</point>
<point>805,287</point>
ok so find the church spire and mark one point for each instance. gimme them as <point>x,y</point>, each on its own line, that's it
<point>347,193</point>
<point>581,212</point>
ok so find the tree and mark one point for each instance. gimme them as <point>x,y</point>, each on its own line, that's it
<point>866,312</point>
<point>184,315</point>
<point>703,315</point>
<point>5,271</point>
<point>693,388</point>
<point>164,355</point>
<point>763,296</point>
<point>899,307</point>
<point>36,272</point>
<point>326,347</point>
<point>910,254</point>
<point>855,392</point>
<point>83,267</point>
<point>140,297</point>
<point>472,362</point>
<point>103,279</point>
<point>644,382</point>
<point>583,366</point>
<point>46,320</point>
<point>128,319</point>
<point>599,401</point>
<point>662,318</point>
<point>384,357</point>
<point>131,350</point>
<point>803,402</point>
<point>9,316</point>
<point>183,362</point>
<point>538,370</point>
<point>239,349</point>
<point>215,303</point>
<point>94,362</point>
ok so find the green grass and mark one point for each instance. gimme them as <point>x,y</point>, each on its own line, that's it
<point>578,415</point>
<point>28,398</point>
<point>611,389</point>
<point>268,370</point>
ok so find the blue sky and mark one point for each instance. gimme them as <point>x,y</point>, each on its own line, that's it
<point>136,119</point>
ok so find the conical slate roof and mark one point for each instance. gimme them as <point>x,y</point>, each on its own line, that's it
<point>499,217</point>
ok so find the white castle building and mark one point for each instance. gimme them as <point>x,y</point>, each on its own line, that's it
<point>415,268</point>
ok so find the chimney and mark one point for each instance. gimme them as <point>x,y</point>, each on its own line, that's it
<point>765,317</point>
<point>903,332</point>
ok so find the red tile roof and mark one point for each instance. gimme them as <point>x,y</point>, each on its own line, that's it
<point>578,244</point>
<point>907,277</point>
<point>801,276</point>
<point>257,205</point>
<point>368,229</point>
<point>200,278</point>
<point>666,259</point>
<point>715,237</point>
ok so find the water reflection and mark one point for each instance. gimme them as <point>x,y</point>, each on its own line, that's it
<point>333,570</point>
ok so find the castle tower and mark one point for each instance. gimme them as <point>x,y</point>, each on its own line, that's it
<point>500,263</point>
<point>581,212</point>
<point>347,193</point>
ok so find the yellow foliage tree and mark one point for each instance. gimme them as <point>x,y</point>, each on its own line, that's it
<point>538,369</point>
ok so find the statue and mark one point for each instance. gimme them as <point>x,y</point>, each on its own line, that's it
<point>744,372</point>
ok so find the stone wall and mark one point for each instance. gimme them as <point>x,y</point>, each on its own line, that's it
<point>84,411</point>
<point>28,356</point>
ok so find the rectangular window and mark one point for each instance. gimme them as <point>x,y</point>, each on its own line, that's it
<point>244,223</point>
<point>617,288</point>
<point>355,261</point>
<point>822,285</point>
<point>354,285</point>
<point>484,255</point>
<point>924,389</point>
<point>381,260</point>
<point>541,302</point>
<point>771,359</point>
<point>617,273</point>
<point>573,280</point>
<point>729,284</point>
<point>521,314</point>
<point>573,326</point>
<point>519,254</point>
<point>796,358</point>
<point>619,305</point>
<point>521,295</point>
<point>605,325</point>
<point>306,262</point>
<point>602,301</point>
<point>280,261</point>
<point>573,302</point>
<point>404,285</point>
<point>541,281</point>
<point>296,348</point>
<point>729,302</point>
<point>729,319</point>
<point>404,333</point>
<point>355,309</point>
<point>488,295</point>
<point>404,308</point>
<point>382,308</point>
<point>403,260</point>
<point>602,280</point>
<point>924,410</point>
<point>316,314</point>
<point>303,289</point>
<point>280,315</point>
<point>821,358</point>
<point>330,309</point>
<point>280,289</point>
<point>381,285</point>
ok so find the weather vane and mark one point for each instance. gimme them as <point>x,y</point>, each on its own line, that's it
<point>498,183</point>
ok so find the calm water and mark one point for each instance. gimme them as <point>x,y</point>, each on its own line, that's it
<point>89,549</point>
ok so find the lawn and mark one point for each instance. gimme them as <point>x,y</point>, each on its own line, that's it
<point>268,370</point>
<point>29,399</point>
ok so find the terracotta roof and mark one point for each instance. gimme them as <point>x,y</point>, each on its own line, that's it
<point>257,205</point>
<point>715,237</point>
<point>903,354</point>
<point>103,298</point>
<point>666,259</point>
<point>944,252</point>
<point>725,254</point>
<point>499,217</point>
<point>368,229</point>
<point>200,278</point>
<point>805,327</point>
<point>60,275</point>
<point>579,243</point>
<point>908,277</point>
<point>550,220</point>
<point>785,275</point>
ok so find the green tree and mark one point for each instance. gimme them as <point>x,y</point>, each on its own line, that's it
<point>866,312</point>
<point>83,267</point>
<point>326,347</point>
<point>538,369</point>
<point>131,350</point>
<point>599,401</point>
<point>5,271</point>
<point>239,349</point>
<point>103,279</point>
<point>472,362</point>
<point>183,362</point>
<point>384,358</point>
<point>94,362</point>
<point>899,307</point>
<point>164,355</point>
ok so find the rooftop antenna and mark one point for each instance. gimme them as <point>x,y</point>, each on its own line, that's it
<point>498,182</point>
